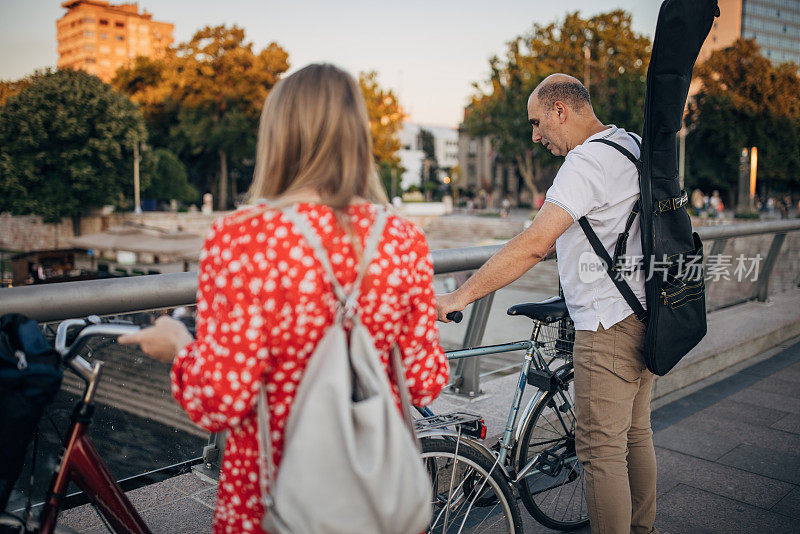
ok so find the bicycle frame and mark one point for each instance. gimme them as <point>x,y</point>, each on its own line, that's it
<point>82,464</point>
<point>514,425</point>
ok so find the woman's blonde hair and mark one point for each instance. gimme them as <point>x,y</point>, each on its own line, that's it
<point>314,134</point>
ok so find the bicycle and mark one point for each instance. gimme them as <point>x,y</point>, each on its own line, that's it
<point>79,461</point>
<point>535,455</point>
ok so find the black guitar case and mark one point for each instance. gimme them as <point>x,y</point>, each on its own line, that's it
<point>674,286</point>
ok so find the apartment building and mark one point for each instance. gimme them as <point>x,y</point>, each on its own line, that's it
<point>99,37</point>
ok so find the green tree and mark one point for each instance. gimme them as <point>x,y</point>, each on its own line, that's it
<point>210,90</point>
<point>385,119</point>
<point>602,50</point>
<point>165,177</point>
<point>744,101</point>
<point>65,146</point>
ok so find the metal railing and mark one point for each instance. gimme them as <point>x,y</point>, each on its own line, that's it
<point>55,302</point>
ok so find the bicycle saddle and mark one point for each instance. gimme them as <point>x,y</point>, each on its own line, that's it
<point>547,311</point>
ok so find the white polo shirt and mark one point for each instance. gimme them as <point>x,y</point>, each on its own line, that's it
<point>598,182</point>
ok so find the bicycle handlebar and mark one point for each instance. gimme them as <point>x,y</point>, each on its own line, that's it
<point>91,326</point>
<point>455,316</point>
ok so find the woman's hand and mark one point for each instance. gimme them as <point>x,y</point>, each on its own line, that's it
<point>162,341</point>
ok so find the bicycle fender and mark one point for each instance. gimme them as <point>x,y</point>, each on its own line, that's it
<point>445,433</point>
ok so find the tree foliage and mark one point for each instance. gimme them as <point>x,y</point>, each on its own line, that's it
<point>164,177</point>
<point>616,64</point>
<point>209,92</point>
<point>65,146</point>
<point>385,118</point>
<point>744,101</point>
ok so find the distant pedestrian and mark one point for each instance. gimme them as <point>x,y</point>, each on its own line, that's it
<point>698,201</point>
<point>505,207</point>
<point>715,204</point>
<point>785,205</point>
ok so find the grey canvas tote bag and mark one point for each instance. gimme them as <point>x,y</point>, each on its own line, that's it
<point>350,462</point>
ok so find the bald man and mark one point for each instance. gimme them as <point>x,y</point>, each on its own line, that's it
<point>612,384</point>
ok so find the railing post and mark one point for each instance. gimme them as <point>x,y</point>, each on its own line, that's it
<point>718,246</point>
<point>467,373</point>
<point>212,456</point>
<point>762,286</point>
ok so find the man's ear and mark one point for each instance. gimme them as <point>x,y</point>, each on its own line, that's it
<point>561,111</point>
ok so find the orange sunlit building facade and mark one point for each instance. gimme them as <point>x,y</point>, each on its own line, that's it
<point>98,37</point>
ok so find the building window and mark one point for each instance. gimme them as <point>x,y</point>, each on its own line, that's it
<point>89,34</point>
<point>120,37</point>
<point>120,51</point>
<point>104,22</point>
<point>88,20</point>
<point>119,24</point>
<point>103,35</point>
<point>105,50</point>
<point>89,60</point>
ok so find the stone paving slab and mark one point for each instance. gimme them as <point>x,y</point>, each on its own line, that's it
<point>695,442</point>
<point>789,505</point>
<point>688,510</point>
<point>675,468</point>
<point>777,464</point>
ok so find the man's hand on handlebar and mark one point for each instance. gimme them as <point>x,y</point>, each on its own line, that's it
<point>448,308</point>
<point>162,341</point>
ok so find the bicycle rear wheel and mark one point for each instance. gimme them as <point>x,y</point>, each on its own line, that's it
<point>470,493</point>
<point>553,491</point>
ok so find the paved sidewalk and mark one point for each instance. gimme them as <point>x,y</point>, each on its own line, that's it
<point>729,454</point>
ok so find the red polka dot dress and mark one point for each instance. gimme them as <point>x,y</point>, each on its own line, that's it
<point>263,303</point>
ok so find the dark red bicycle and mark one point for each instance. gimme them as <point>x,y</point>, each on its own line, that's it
<point>79,461</point>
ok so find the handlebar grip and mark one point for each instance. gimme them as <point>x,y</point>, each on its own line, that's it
<point>455,316</point>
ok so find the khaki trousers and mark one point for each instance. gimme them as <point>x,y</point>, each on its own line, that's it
<point>614,440</point>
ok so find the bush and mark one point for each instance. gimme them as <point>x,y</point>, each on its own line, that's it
<point>747,215</point>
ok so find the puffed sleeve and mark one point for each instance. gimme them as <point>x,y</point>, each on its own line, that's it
<point>427,370</point>
<point>216,377</point>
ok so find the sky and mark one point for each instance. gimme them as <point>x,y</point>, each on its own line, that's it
<point>429,52</point>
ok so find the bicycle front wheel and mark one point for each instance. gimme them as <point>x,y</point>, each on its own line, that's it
<point>553,490</point>
<point>470,493</point>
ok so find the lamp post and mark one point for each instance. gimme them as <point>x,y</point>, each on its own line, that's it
<point>137,204</point>
<point>753,169</point>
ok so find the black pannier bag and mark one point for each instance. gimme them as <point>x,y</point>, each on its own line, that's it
<point>673,254</point>
<point>30,376</point>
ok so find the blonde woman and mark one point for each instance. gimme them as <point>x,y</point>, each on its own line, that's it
<point>263,300</point>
